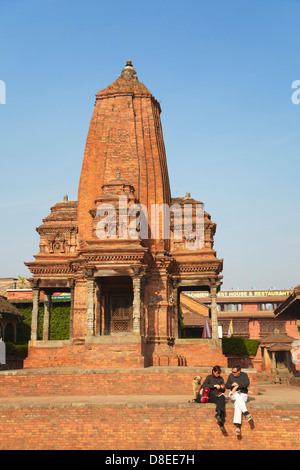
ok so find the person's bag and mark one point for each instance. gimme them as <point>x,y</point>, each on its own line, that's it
<point>203,395</point>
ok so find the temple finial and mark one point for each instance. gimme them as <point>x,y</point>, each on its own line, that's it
<point>128,71</point>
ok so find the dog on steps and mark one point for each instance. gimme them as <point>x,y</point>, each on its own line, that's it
<point>196,386</point>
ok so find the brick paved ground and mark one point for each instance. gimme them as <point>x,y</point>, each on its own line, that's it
<point>268,394</point>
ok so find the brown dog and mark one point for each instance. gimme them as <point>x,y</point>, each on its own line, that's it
<point>196,385</point>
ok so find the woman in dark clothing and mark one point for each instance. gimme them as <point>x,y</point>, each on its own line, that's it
<point>216,385</point>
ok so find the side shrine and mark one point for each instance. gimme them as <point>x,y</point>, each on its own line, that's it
<point>124,267</point>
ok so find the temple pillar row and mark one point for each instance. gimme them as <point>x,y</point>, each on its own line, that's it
<point>36,291</point>
<point>93,301</point>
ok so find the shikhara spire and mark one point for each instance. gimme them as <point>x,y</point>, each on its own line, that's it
<point>125,136</point>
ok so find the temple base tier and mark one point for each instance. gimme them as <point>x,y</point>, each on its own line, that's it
<point>124,351</point>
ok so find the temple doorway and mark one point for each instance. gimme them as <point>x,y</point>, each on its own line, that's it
<point>120,312</point>
<point>281,360</point>
<point>115,314</point>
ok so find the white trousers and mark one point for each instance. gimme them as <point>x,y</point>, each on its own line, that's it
<point>239,405</point>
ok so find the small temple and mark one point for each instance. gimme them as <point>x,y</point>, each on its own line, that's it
<point>124,269</point>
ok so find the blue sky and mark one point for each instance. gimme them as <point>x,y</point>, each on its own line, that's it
<point>223,73</point>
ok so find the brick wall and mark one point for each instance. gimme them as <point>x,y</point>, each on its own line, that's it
<point>98,355</point>
<point>200,353</point>
<point>254,329</point>
<point>144,426</point>
<point>115,352</point>
<point>150,381</point>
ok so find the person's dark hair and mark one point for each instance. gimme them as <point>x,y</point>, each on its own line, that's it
<point>217,369</point>
<point>237,367</point>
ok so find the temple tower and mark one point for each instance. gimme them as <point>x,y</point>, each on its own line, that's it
<point>125,140</point>
<point>118,249</point>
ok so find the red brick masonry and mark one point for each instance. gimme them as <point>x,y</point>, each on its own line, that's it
<point>75,381</point>
<point>71,408</point>
<point>114,353</point>
<point>145,426</point>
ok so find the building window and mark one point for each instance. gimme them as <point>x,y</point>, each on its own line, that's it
<point>268,327</point>
<point>240,328</point>
<point>267,306</point>
<point>229,307</point>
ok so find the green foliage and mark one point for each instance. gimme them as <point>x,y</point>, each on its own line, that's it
<point>181,318</point>
<point>24,327</point>
<point>59,323</point>
<point>60,320</point>
<point>240,346</point>
<point>22,281</point>
<point>16,350</point>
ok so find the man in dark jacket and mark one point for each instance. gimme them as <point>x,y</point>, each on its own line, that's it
<point>238,383</point>
<point>216,386</point>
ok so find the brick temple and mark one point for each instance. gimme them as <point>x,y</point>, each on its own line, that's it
<point>125,285</point>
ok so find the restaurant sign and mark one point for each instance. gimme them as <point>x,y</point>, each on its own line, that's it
<point>244,293</point>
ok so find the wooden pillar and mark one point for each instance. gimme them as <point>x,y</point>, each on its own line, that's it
<point>136,282</point>
<point>47,315</point>
<point>214,312</point>
<point>98,311</point>
<point>90,307</point>
<point>35,313</point>
<point>273,365</point>
<point>176,314</point>
<point>267,360</point>
<point>72,292</point>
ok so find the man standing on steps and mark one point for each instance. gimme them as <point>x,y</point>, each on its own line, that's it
<point>238,383</point>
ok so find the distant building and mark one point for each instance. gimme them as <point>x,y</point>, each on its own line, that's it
<point>7,283</point>
<point>9,317</point>
<point>251,312</point>
<point>255,315</point>
<point>290,306</point>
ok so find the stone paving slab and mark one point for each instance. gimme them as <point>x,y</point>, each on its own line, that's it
<point>203,370</point>
<point>269,396</point>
